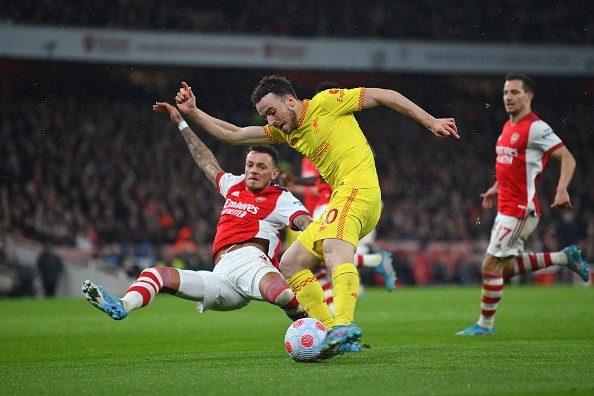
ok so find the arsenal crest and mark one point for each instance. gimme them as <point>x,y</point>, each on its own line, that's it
<point>514,138</point>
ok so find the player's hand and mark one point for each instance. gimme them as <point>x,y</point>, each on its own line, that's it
<point>489,197</point>
<point>444,127</point>
<point>287,179</point>
<point>562,200</point>
<point>185,99</point>
<point>166,108</point>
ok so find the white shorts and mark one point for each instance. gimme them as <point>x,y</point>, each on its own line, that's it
<point>235,279</point>
<point>509,234</point>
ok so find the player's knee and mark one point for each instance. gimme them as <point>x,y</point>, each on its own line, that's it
<point>165,277</point>
<point>288,267</point>
<point>497,265</point>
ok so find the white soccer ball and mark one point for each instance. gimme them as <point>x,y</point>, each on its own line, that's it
<point>303,338</point>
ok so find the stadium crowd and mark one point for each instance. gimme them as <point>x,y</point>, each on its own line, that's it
<point>525,21</point>
<point>96,169</point>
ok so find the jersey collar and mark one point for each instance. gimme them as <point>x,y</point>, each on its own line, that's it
<point>303,111</point>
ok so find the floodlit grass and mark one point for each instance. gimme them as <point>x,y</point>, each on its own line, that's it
<point>544,346</point>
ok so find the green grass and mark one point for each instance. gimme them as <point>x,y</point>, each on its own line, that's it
<point>544,346</point>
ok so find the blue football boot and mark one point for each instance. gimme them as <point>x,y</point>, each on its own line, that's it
<point>476,330</point>
<point>576,262</point>
<point>386,270</point>
<point>104,300</point>
<point>349,347</point>
<point>336,340</point>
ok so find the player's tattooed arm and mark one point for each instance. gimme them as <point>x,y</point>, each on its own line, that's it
<point>202,155</point>
<point>301,222</point>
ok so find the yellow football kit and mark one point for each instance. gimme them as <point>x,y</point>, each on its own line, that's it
<point>329,135</point>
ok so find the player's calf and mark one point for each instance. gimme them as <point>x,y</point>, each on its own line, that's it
<point>280,294</point>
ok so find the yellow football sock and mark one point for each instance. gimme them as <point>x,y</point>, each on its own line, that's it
<point>345,290</point>
<point>310,295</point>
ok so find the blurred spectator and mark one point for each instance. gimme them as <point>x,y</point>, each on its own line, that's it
<point>50,267</point>
<point>9,273</point>
<point>421,265</point>
<point>569,231</point>
<point>184,244</point>
<point>145,254</point>
<point>402,267</point>
<point>185,250</point>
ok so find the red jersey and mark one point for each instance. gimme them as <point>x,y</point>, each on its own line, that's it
<point>522,154</point>
<point>246,215</point>
<point>312,201</point>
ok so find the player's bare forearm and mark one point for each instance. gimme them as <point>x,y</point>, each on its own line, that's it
<point>297,189</point>
<point>219,129</point>
<point>227,132</point>
<point>396,101</point>
<point>202,155</point>
<point>306,181</point>
<point>562,198</point>
<point>301,222</point>
<point>567,167</point>
<point>494,189</point>
<point>440,127</point>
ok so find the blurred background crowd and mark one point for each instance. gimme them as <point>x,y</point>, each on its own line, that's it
<point>84,162</point>
<point>520,21</point>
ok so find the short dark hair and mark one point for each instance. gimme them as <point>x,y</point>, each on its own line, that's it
<point>278,85</point>
<point>527,82</point>
<point>324,85</point>
<point>271,151</point>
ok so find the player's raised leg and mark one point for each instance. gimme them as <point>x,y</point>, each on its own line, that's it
<point>141,293</point>
<point>381,262</point>
<point>570,257</point>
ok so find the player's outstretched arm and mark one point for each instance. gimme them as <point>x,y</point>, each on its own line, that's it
<point>440,127</point>
<point>299,185</point>
<point>221,130</point>
<point>201,154</point>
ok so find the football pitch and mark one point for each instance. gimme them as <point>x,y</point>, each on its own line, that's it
<point>544,346</point>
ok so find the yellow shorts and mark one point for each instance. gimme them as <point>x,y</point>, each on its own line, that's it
<point>290,237</point>
<point>351,214</point>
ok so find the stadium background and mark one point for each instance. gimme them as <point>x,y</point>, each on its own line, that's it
<point>87,166</point>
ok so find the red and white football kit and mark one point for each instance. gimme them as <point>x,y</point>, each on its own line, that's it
<point>522,152</point>
<point>246,215</point>
<point>240,266</point>
<point>235,279</point>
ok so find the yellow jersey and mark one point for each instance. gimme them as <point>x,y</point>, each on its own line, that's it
<point>329,135</point>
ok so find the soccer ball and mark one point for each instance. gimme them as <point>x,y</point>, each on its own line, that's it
<point>303,339</point>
